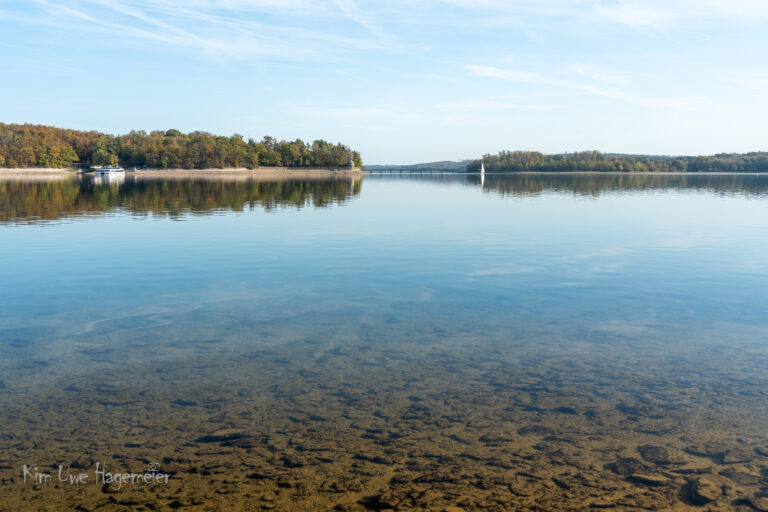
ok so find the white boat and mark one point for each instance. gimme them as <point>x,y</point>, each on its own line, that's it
<point>107,169</point>
<point>482,174</point>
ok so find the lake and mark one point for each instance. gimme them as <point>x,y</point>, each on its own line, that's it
<point>425,342</point>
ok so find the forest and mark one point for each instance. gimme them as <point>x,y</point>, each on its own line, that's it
<point>594,161</point>
<point>28,145</point>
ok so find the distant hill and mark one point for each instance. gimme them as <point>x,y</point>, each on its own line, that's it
<point>445,164</point>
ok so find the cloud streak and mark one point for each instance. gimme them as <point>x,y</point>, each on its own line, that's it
<point>328,29</point>
<point>217,29</point>
<point>512,75</point>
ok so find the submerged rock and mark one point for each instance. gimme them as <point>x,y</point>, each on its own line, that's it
<point>626,466</point>
<point>655,454</point>
<point>760,504</point>
<point>653,480</point>
<point>702,490</point>
<point>742,476</point>
<point>292,460</point>
<point>737,455</point>
<point>184,403</point>
<point>222,435</point>
<point>536,429</point>
<point>711,450</point>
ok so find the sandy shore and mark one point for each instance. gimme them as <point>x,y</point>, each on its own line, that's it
<point>35,174</point>
<point>261,172</point>
<point>29,171</point>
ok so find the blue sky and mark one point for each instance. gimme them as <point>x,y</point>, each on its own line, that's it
<point>400,81</point>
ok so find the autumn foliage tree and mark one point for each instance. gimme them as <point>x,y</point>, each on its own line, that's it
<point>45,146</point>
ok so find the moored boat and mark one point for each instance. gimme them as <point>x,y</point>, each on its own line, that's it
<point>106,169</point>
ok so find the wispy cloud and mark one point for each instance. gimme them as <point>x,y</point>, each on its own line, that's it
<point>351,10</point>
<point>217,28</point>
<point>493,103</point>
<point>662,16</point>
<point>597,74</point>
<point>322,28</point>
<point>637,13</point>
<point>126,29</point>
<point>68,17</point>
<point>513,75</point>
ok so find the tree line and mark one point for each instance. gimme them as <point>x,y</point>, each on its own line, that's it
<point>28,145</point>
<point>594,161</point>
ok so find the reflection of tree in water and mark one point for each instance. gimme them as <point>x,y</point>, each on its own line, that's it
<point>597,184</point>
<point>29,201</point>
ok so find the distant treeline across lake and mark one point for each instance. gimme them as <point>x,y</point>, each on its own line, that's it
<point>28,145</point>
<point>594,161</point>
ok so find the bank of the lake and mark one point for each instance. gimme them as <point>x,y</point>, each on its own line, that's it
<point>263,172</point>
<point>617,173</point>
<point>27,171</point>
<point>266,172</point>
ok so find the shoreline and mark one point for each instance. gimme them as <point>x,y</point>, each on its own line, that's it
<point>327,171</point>
<point>260,172</point>
<point>30,171</point>
<point>616,173</point>
<point>209,171</point>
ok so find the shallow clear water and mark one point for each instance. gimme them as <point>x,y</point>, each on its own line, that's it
<point>408,324</point>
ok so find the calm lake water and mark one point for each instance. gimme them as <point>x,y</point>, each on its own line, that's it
<point>387,342</point>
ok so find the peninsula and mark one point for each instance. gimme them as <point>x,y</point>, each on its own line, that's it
<point>39,148</point>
